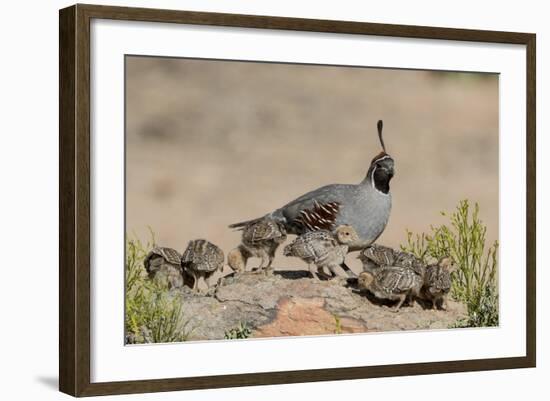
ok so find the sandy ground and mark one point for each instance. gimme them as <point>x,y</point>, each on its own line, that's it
<point>210,143</point>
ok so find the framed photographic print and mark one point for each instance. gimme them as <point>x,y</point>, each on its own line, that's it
<point>250,200</point>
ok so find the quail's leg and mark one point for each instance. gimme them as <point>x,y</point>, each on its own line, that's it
<point>441,303</point>
<point>432,303</point>
<point>271,256</point>
<point>268,269</point>
<point>321,272</point>
<point>210,282</point>
<point>195,281</point>
<point>205,288</point>
<point>409,300</point>
<point>348,271</point>
<point>313,271</point>
<point>399,303</point>
<point>264,260</point>
<point>333,273</point>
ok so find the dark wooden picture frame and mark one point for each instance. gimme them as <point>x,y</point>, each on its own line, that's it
<point>74,199</point>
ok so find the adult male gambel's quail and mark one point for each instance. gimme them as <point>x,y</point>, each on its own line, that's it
<point>365,206</point>
<point>323,249</point>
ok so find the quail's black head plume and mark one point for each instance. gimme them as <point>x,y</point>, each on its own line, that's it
<point>365,206</point>
<point>380,125</point>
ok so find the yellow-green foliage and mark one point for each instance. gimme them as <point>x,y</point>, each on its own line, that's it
<point>238,333</point>
<point>153,315</point>
<point>337,324</point>
<point>475,280</point>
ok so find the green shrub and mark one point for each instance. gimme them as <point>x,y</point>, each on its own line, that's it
<point>240,332</point>
<point>337,324</point>
<point>475,281</point>
<point>153,315</point>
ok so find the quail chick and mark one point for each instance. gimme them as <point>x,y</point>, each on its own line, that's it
<point>259,239</point>
<point>163,265</point>
<point>375,256</point>
<point>366,205</point>
<point>437,282</point>
<point>391,282</point>
<point>323,249</point>
<point>237,258</point>
<point>378,255</point>
<point>202,259</point>
<point>407,259</point>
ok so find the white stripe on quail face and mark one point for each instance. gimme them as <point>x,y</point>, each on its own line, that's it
<point>382,158</point>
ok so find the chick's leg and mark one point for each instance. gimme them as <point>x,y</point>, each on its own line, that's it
<point>409,300</point>
<point>443,303</point>
<point>313,271</point>
<point>268,269</point>
<point>348,271</point>
<point>210,282</point>
<point>399,303</point>
<point>265,260</point>
<point>333,273</point>
<point>322,272</point>
<point>271,255</point>
<point>195,280</point>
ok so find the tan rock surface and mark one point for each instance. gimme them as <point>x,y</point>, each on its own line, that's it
<point>290,303</point>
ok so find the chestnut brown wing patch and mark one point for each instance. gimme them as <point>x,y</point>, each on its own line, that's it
<point>322,216</point>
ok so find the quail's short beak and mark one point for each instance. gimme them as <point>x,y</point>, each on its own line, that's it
<point>389,170</point>
<point>387,166</point>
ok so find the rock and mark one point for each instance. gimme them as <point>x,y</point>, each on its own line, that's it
<point>292,304</point>
<point>307,317</point>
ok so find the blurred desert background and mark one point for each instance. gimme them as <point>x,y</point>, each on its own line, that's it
<point>209,143</point>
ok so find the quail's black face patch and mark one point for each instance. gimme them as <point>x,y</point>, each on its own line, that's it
<point>382,173</point>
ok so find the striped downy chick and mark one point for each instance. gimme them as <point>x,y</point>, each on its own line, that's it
<point>323,249</point>
<point>202,259</point>
<point>391,282</point>
<point>261,239</point>
<point>437,282</point>
<point>237,258</point>
<point>163,266</point>
<point>376,256</point>
<point>407,259</point>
